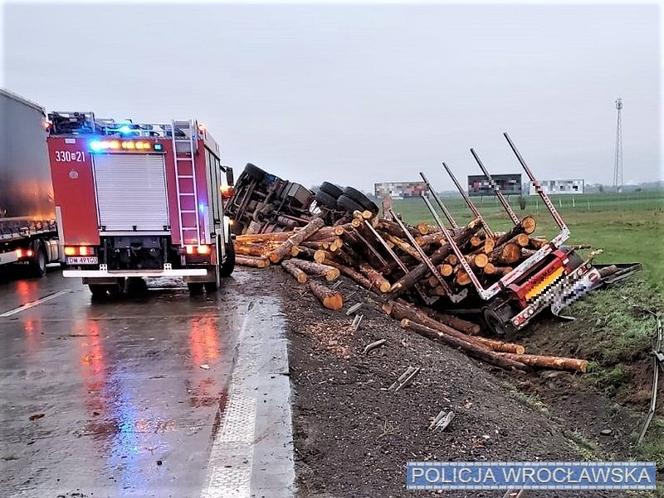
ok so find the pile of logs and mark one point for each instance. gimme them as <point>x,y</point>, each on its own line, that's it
<point>406,264</point>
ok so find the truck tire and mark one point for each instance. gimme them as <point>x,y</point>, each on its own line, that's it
<point>330,189</point>
<point>195,288</point>
<point>347,204</point>
<point>228,266</point>
<point>98,291</point>
<point>499,326</point>
<point>37,262</point>
<point>361,199</point>
<point>326,200</point>
<point>254,172</point>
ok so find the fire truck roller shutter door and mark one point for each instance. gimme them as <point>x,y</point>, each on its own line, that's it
<point>131,192</point>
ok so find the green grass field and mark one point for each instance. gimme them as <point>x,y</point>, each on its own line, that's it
<point>628,227</point>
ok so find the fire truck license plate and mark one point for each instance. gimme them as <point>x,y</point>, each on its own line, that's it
<point>82,260</point>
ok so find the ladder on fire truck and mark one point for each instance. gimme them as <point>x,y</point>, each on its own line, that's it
<point>184,148</point>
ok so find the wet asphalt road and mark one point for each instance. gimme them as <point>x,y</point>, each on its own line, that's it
<point>113,399</point>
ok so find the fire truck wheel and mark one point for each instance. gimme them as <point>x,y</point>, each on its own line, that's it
<point>98,291</point>
<point>330,189</point>
<point>38,260</point>
<point>347,204</point>
<point>195,288</point>
<point>326,200</point>
<point>361,199</point>
<point>254,172</point>
<point>228,266</point>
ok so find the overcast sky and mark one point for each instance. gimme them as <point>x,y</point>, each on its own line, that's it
<point>361,94</point>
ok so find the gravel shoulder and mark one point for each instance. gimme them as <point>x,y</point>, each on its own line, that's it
<point>353,437</point>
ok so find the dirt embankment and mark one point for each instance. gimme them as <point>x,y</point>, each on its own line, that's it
<point>353,437</point>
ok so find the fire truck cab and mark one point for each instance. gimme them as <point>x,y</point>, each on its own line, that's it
<point>139,200</point>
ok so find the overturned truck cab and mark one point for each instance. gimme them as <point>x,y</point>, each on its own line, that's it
<point>139,200</point>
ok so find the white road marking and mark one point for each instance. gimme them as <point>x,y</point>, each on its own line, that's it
<point>252,454</point>
<point>231,457</point>
<point>32,304</point>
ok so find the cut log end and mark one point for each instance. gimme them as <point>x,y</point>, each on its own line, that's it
<point>329,298</point>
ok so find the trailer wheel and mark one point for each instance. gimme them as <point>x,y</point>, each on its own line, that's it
<point>228,266</point>
<point>497,325</point>
<point>330,189</point>
<point>254,172</point>
<point>361,199</point>
<point>37,262</point>
<point>326,200</point>
<point>347,204</point>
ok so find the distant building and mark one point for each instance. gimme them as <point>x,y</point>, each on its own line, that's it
<point>509,184</point>
<point>576,186</point>
<point>399,190</point>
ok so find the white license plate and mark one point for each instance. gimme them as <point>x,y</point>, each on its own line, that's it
<point>82,260</point>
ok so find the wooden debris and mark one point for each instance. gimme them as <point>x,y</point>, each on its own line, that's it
<point>253,262</point>
<point>353,309</point>
<point>329,298</point>
<point>373,345</point>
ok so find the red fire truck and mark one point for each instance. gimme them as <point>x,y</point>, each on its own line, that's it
<point>139,200</point>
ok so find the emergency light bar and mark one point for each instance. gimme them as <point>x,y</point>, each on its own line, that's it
<point>116,145</point>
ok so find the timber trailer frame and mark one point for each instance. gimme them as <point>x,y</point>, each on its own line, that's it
<point>534,285</point>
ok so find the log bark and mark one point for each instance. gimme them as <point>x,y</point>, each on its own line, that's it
<point>415,275</point>
<point>293,270</point>
<point>262,237</point>
<point>329,298</point>
<point>393,228</point>
<point>252,262</point>
<point>455,322</point>
<point>471,349</point>
<point>316,269</point>
<point>399,310</point>
<point>349,272</point>
<point>552,362</point>
<point>377,280</point>
<point>538,243</point>
<point>404,246</point>
<point>298,237</point>
<point>527,226</point>
<point>251,250</point>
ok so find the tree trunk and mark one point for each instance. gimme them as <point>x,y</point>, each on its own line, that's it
<point>377,280</point>
<point>491,269</point>
<point>471,349</point>
<point>329,298</point>
<point>252,262</point>
<point>296,272</point>
<point>404,246</point>
<point>393,228</point>
<point>316,269</point>
<point>415,275</point>
<point>527,226</point>
<point>506,254</point>
<point>355,276</point>
<point>398,311</point>
<point>298,237</point>
<point>251,250</point>
<point>552,362</point>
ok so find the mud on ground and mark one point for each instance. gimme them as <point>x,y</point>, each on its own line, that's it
<point>353,437</point>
